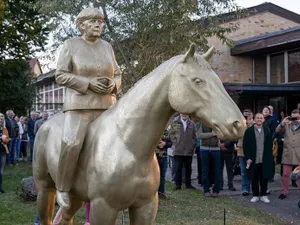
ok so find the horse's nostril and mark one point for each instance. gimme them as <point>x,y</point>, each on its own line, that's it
<point>236,126</point>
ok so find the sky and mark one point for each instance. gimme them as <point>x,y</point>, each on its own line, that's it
<point>292,5</point>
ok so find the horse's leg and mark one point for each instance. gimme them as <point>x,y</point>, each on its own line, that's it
<point>68,214</point>
<point>144,215</point>
<point>102,213</point>
<point>45,204</point>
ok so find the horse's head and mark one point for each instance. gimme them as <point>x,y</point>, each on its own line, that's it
<point>195,89</point>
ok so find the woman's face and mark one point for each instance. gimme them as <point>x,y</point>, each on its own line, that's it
<point>266,112</point>
<point>92,27</point>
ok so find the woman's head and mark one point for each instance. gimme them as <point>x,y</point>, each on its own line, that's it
<point>16,118</point>
<point>266,111</point>
<point>23,119</point>
<point>90,20</point>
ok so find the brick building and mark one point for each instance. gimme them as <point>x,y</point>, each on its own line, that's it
<point>263,64</point>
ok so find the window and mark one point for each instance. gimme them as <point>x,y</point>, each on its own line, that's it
<point>294,66</point>
<point>61,95</point>
<point>260,69</point>
<point>277,68</point>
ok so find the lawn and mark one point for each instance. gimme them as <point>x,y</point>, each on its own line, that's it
<point>182,207</point>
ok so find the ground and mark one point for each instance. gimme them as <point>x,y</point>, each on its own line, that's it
<point>186,207</point>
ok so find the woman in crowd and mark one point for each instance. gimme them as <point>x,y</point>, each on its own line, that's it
<point>270,122</point>
<point>4,139</point>
<point>24,138</point>
<point>282,115</point>
<point>18,139</point>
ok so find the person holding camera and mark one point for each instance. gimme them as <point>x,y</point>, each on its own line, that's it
<point>4,139</point>
<point>290,127</point>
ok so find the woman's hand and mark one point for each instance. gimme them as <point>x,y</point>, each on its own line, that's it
<point>102,85</point>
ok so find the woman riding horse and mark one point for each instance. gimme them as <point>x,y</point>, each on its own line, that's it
<point>87,67</point>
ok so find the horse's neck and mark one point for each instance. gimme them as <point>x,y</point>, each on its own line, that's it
<point>143,115</point>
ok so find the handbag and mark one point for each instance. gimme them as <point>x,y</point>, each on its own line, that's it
<point>275,147</point>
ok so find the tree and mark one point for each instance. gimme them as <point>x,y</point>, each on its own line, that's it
<point>23,29</point>
<point>17,91</point>
<point>147,32</point>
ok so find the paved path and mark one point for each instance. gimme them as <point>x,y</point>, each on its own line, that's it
<point>286,209</point>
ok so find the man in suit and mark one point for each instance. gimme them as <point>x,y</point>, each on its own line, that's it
<point>87,67</point>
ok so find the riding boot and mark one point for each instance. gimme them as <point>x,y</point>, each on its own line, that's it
<point>66,169</point>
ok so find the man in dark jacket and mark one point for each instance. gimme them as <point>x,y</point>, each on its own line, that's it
<point>31,134</point>
<point>184,137</point>
<point>227,149</point>
<point>13,132</point>
<point>162,154</point>
<point>257,146</point>
<point>210,150</point>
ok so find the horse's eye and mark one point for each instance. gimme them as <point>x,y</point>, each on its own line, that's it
<point>198,81</point>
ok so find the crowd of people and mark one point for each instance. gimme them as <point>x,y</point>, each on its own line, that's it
<point>17,135</point>
<point>253,155</point>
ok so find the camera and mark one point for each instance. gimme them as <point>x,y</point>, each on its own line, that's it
<point>293,118</point>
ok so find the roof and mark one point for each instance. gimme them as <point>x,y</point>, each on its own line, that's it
<point>44,78</point>
<point>267,35</point>
<point>32,63</point>
<point>267,43</point>
<point>264,7</point>
<point>264,89</point>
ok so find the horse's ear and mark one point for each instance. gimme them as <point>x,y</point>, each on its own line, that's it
<point>190,53</point>
<point>207,56</point>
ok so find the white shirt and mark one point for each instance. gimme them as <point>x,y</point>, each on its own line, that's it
<point>184,122</point>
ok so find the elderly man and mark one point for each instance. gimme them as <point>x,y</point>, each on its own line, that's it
<point>87,67</point>
<point>40,122</point>
<point>13,132</point>
<point>290,127</point>
<point>184,140</point>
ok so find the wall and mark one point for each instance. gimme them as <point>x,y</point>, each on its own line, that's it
<point>233,69</point>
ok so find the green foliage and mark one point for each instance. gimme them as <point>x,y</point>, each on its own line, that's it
<point>16,90</point>
<point>22,29</point>
<point>147,32</point>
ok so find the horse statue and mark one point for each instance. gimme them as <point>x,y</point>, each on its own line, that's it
<point>117,168</point>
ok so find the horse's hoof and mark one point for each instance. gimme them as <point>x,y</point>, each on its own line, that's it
<point>63,199</point>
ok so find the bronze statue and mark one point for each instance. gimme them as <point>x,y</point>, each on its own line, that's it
<point>87,67</point>
<point>117,167</point>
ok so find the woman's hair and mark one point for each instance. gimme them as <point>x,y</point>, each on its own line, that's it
<point>2,115</point>
<point>87,14</point>
<point>267,107</point>
<point>23,119</point>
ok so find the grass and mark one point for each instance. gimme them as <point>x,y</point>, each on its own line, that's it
<point>182,207</point>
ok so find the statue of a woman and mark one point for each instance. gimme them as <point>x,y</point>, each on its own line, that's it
<point>88,69</point>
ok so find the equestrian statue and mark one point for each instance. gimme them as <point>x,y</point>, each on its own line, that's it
<point>102,151</point>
